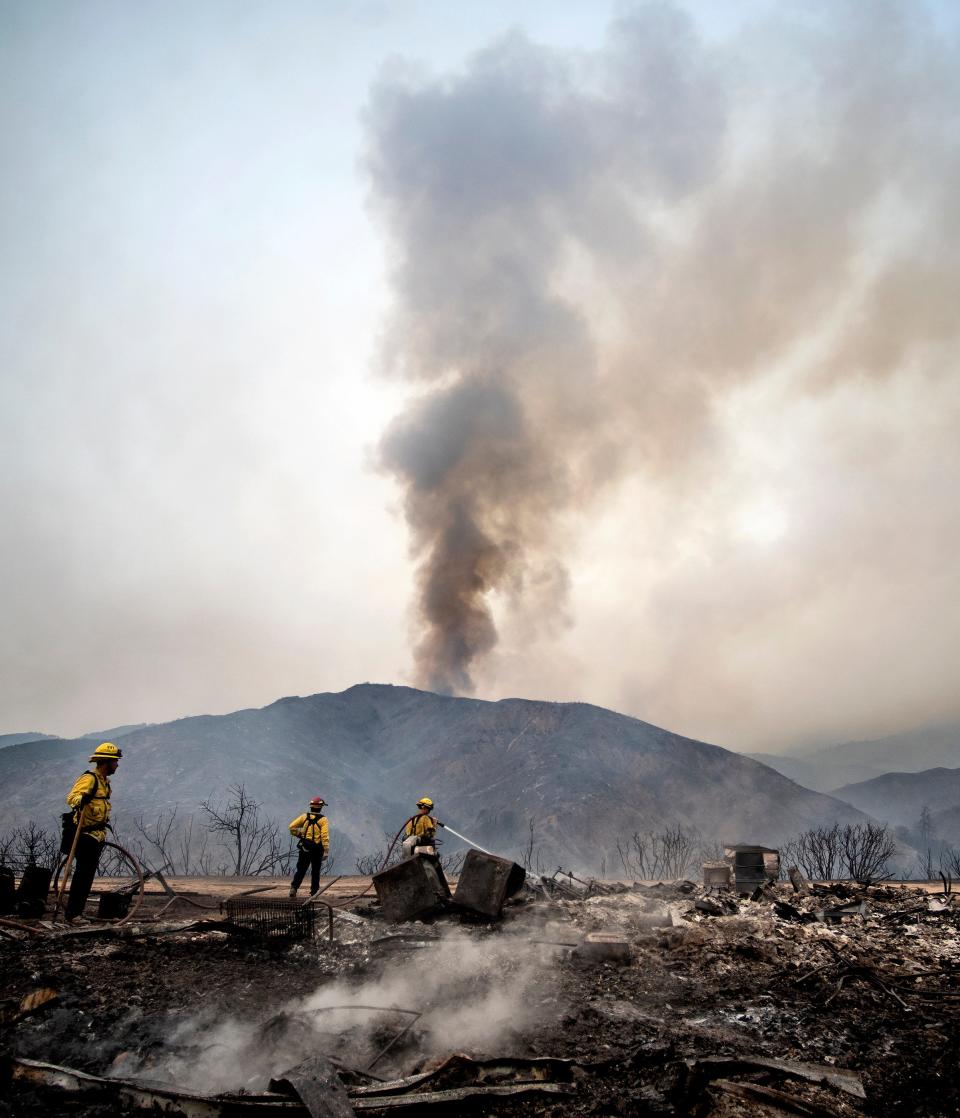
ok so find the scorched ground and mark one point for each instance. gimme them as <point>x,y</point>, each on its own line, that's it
<point>721,1006</point>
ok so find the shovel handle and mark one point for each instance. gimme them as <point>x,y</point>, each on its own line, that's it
<point>66,867</point>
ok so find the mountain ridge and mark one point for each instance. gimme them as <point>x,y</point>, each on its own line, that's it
<point>855,762</point>
<point>574,776</point>
<point>899,797</point>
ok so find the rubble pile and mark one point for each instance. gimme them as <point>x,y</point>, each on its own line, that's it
<point>598,999</point>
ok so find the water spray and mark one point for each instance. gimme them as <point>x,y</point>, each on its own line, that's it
<point>483,850</point>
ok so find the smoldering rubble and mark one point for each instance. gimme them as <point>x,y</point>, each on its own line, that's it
<point>585,998</point>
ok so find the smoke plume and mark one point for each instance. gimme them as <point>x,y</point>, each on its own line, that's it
<point>598,256</point>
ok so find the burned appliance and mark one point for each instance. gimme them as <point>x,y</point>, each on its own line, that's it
<point>753,866</point>
<point>31,898</point>
<point>409,888</point>
<point>486,881</point>
<point>717,875</point>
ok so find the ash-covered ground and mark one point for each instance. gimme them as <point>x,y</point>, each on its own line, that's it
<point>724,1006</point>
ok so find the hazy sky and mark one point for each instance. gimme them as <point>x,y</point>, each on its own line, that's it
<point>600,352</point>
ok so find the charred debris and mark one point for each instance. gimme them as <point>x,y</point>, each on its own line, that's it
<point>740,994</point>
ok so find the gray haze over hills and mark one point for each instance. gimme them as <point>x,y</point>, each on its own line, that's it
<point>899,798</point>
<point>581,775</point>
<point>853,762</point>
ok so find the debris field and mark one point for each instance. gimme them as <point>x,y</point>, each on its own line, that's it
<point>585,998</point>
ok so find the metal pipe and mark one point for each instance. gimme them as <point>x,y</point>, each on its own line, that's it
<point>403,1032</point>
<point>328,907</point>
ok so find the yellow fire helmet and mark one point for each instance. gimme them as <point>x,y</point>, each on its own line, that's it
<point>106,751</point>
<point>424,801</point>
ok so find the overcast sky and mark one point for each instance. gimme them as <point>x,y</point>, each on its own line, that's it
<point>600,352</point>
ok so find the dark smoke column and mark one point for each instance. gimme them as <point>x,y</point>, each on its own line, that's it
<point>495,188</point>
<point>466,175</point>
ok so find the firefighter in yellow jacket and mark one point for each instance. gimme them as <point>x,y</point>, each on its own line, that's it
<point>313,833</point>
<point>421,832</point>
<point>90,799</point>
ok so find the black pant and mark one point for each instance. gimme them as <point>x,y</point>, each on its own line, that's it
<point>85,862</point>
<point>311,856</point>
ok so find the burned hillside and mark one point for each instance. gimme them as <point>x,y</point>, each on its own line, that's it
<point>584,999</point>
<point>494,768</point>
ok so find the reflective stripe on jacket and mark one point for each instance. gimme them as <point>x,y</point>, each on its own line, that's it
<point>96,814</point>
<point>424,826</point>
<point>311,828</point>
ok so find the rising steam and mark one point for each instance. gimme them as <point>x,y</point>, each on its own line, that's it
<point>594,252</point>
<point>472,996</point>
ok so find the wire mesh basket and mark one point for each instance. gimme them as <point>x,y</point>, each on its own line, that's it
<point>281,918</point>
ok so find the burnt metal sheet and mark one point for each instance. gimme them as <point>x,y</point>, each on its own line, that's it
<point>790,912</point>
<point>461,1094</point>
<point>835,915</point>
<point>460,1068</point>
<point>316,1083</point>
<point>408,889</point>
<point>486,881</point>
<point>603,947</point>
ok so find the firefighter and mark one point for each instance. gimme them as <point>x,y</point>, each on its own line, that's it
<point>421,832</point>
<point>313,835</point>
<point>90,799</point>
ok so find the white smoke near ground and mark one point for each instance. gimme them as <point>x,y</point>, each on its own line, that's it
<point>716,277</point>
<point>473,996</point>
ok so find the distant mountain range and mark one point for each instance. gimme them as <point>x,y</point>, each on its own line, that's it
<point>853,762</point>
<point>19,739</point>
<point>899,798</point>
<point>116,731</point>
<point>572,778</point>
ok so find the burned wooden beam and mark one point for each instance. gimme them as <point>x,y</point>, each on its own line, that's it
<point>798,881</point>
<point>840,1078</point>
<point>778,1102</point>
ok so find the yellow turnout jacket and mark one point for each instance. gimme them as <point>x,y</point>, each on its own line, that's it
<point>424,826</point>
<point>311,828</point>
<point>96,814</point>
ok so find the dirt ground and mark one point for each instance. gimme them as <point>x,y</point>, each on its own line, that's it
<point>710,987</point>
